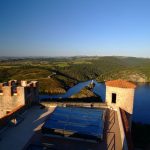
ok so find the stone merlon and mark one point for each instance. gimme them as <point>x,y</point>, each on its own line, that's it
<point>16,93</point>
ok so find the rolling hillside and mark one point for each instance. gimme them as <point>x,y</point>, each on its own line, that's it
<point>69,71</point>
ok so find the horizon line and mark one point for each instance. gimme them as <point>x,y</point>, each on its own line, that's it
<point>73,56</point>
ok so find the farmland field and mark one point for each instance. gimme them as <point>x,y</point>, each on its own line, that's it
<point>56,75</point>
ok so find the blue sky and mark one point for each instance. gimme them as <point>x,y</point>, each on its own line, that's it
<point>74,27</point>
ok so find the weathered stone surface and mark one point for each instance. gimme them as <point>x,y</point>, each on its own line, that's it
<point>124,98</point>
<point>13,96</point>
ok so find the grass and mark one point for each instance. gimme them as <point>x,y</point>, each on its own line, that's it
<point>51,86</point>
<point>75,69</point>
<point>82,62</point>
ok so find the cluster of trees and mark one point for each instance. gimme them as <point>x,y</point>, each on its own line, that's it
<point>97,69</point>
<point>76,69</point>
<point>105,68</point>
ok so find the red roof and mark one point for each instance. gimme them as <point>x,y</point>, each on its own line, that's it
<point>120,84</point>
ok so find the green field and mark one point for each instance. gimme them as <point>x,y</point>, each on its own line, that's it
<point>65,72</point>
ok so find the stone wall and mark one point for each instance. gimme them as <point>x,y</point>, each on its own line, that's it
<point>32,93</point>
<point>13,94</point>
<point>122,132</point>
<point>124,98</point>
<point>35,91</point>
<point>10,100</point>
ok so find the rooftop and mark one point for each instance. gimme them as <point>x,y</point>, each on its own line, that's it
<point>120,84</point>
<point>15,137</point>
<point>34,118</point>
<point>111,137</point>
<point>80,123</point>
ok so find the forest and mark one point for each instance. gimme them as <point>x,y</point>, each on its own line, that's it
<point>56,75</point>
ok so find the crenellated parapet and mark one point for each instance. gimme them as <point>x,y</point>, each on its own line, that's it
<point>15,93</point>
<point>13,86</point>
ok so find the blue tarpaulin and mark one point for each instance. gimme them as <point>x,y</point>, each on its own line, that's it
<point>81,121</point>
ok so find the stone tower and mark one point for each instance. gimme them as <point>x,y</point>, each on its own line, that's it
<point>120,93</point>
<point>15,94</point>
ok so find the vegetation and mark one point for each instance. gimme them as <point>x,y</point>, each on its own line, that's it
<point>84,93</point>
<point>58,74</point>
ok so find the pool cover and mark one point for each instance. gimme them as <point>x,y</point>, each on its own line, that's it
<point>85,123</point>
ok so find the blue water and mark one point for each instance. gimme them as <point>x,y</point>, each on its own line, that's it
<point>141,111</point>
<point>75,89</point>
<point>99,89</point>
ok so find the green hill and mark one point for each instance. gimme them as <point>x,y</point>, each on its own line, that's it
<point>69,71</point>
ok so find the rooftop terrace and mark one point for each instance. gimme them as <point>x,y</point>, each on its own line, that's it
<point>111,137</point>
<point>73,122</point>
<point>15,137</point>
<point>28,133</point>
